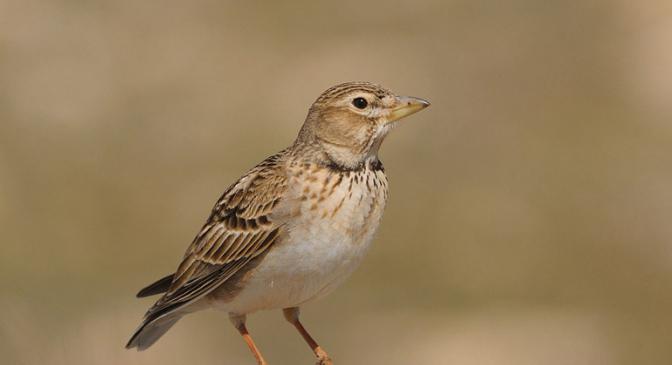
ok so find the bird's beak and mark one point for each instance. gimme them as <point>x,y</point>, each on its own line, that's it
<point>406,105</point>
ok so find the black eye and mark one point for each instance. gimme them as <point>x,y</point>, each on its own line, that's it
<point>360,103</point>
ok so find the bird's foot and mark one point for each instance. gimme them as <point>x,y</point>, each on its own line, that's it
<point>322,357</point>
<point>324,361</point>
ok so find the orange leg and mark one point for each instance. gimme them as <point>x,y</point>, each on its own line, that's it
<point>239,323</point>
<point>292,316</point>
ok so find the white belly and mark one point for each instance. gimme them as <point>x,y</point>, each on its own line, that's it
<point>326,240</point>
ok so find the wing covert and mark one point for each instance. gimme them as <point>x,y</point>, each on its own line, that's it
<point>239,229</point>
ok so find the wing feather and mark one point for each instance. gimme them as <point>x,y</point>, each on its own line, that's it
<point>240,228</point>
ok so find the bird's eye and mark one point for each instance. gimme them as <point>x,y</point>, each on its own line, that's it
<point>360,103</point>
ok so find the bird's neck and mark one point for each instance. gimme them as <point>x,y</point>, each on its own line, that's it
<point>334,156</point>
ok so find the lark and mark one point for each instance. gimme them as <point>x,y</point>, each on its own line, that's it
<point>292,228</point>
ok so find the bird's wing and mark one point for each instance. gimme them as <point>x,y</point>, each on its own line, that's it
<point>240,228</point>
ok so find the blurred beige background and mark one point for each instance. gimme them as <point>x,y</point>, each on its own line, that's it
<point>530,207</point>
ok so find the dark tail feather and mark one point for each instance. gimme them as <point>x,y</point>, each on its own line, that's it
<point>158,287</point>
<point>151,330</point>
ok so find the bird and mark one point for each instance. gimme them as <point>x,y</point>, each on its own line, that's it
<point>292,228</point>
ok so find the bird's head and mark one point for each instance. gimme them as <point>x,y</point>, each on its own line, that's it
<point>350,121</point>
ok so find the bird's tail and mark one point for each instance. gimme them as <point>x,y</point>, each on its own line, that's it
<point>151,330</point>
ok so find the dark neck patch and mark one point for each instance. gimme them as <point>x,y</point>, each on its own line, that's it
<point>374,165</point>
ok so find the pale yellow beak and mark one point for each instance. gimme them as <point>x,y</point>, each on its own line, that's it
<point>406,105</point>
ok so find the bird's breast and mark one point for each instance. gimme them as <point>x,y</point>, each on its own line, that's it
<point>337,207</point>
<point>333,216</point>
<point>329,220</point>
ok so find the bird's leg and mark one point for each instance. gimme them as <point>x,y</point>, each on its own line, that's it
<point>239,322</point>
<point>292,316</point>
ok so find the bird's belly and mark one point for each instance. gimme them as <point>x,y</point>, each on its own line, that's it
<point>291,275</point>
<point>322,248</point>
